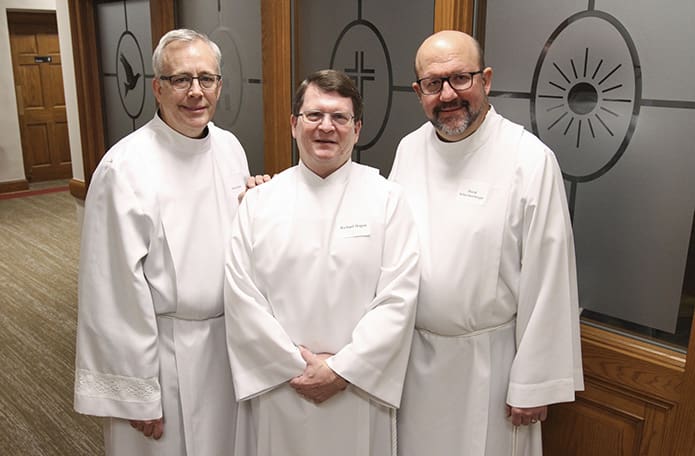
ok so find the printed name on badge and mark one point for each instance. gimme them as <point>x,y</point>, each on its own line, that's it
<point>473,191</point>
<point>353,229</point>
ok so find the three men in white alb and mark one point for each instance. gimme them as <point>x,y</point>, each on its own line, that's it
<point>322,276</point>
<point>151,349</point>
<point>497,330</point>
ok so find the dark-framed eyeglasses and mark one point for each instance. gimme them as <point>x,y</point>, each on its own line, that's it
<point>458,81</point>
<point>315,117</point>
<point>184,82</point>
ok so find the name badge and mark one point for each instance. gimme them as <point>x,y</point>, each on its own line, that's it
<point>473,191</point>
<point>353,230</point>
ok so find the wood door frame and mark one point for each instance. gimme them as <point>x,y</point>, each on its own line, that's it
<point>88,79</point>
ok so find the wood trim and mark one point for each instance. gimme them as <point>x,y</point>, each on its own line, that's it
<point>276,29</point>
<point>32,17</point>
<point>683,429</point>
<point>453,15</point>
<point>480,22</point>
<point>637,366</point>
<point>88,83</point>
<point>162,19</point>
<point>14,186</point>
<point>78,189</point>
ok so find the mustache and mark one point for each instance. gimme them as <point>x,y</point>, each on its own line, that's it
<point>450,104</point>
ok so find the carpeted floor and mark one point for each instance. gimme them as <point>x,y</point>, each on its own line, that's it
<point>39,244</point>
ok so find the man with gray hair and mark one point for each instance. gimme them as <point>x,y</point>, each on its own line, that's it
<point>151,351</point>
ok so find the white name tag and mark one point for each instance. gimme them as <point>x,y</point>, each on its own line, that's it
<point>473,191</point>
<point>353,230</point>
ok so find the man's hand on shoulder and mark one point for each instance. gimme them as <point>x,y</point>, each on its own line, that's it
<point>254,181</point>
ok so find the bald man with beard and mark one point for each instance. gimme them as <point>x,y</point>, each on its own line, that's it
<point>497,330</point>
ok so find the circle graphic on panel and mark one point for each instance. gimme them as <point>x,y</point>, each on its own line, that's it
<point>586,94</point>
<point>360,51</point>
<point>229,105</point>
<point>130,74</point>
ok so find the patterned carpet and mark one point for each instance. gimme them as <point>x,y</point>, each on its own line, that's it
<point>39,244</point>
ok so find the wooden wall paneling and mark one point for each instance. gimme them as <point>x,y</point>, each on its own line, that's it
<point>654,439</point>
<point>453,15</point>
<point>606,421</point>
<point>162,18</point>
<point>587,429</point>
<point>632,390</point>
<point>682,435</point>
<point>633,364</point>
<point>461,15</point>
<point>276,25</point>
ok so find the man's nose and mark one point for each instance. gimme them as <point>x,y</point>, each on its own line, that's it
<point>448,93</point>
<point>195,87</point>
<point>326,122</point>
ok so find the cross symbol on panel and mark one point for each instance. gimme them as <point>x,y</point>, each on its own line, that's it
<point>359,74</point>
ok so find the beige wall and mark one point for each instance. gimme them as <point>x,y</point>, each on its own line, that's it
<point>11,165</point>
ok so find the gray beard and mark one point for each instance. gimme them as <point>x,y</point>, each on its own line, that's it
<point>455,130</point>
<point>450,131</point>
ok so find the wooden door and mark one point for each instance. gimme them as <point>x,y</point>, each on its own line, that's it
<point>40,97</point>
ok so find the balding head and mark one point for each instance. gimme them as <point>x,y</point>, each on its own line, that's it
<point>457,83</point>
<point>448,45</point>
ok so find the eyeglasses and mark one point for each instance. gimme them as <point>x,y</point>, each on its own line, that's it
<point>338,118</point>
<point>184,82</point>
<point>457,81</point>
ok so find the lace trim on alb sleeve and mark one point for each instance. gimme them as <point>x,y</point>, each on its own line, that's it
<point>116,387</point>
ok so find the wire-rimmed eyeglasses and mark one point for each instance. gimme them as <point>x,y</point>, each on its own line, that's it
<point>183,82</point>
<point>457,81</point>
<point>315,116</point>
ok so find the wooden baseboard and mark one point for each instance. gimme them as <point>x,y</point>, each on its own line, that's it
<point>14,186</point>
<point>78,189</point>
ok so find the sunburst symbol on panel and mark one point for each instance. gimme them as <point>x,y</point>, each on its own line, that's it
<point>586,94</point>
<point>579,101</point>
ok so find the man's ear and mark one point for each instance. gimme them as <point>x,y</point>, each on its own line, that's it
<point>219,88</point>
<point>293,123</point>
<point>156,88</point>
<point>358,128</point>
<point>487,79</point>
<point>416,89</point>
